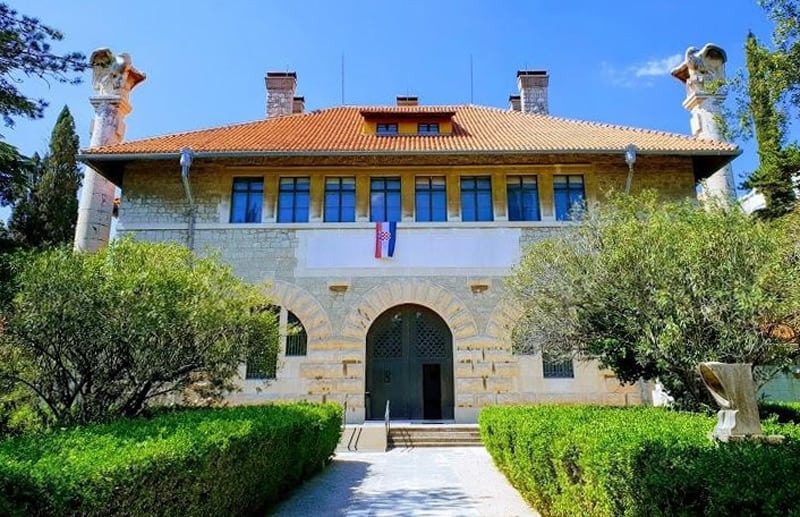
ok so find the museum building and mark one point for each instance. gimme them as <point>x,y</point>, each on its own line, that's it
<point>384,233</point>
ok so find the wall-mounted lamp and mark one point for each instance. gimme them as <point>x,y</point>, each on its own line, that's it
<point>630,159</point>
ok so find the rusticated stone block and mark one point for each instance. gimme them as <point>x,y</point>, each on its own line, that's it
<point>471,385</point>
<point>321,370</point>
<point>499,385</point>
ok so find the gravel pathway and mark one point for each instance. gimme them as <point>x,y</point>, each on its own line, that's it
<point>446,481</point>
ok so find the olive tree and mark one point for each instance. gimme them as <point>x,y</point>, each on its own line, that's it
<point>100,335</point>
<point>651,289</point>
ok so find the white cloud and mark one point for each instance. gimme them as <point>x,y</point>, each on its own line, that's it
<point>658,66</point>
<point>639,75</point>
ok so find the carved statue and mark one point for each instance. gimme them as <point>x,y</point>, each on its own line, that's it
<point>113,75</point>
<point>702,70</point>
<point>732,387</point>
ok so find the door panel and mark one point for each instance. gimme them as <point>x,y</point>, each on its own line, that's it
<point>409,363</point>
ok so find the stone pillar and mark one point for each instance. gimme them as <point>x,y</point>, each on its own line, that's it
<point>280,93</point>
<point>533,86</point>
<point>113,79</point>
<point>703,73</point>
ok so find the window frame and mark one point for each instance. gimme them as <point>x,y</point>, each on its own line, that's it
<point>296,343</point>
<point>295,194</point>
<point>385,191</point>
<point>339,192</point>
<point>387,129</point>
<point>431,193</point>
<point>569,191</point>
<point>428,128</point>
<point>521,190</point>
<point>475,197</point>
<point>557,368</point>
<point>250,193</point>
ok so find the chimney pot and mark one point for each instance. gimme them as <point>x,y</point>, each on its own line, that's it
<point>298,104</point>
<point>280,93</point>
<point>533,85</point>
<point>406,100</point>
<point>514,103</point>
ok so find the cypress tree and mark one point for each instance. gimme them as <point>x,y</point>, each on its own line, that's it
<point>777,164</point>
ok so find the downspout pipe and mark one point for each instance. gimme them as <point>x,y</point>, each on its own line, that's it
<point>186,164</point>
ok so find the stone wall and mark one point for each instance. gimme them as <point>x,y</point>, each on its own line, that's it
<point>337,320</point>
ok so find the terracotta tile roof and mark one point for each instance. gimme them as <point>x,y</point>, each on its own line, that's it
<point>476,129</point>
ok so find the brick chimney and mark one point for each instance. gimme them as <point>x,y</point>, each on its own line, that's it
<point>298,104</point>
<point>514,103</point>
<point>406,100</point>
<point>533,90</point>
<point>280,93</point>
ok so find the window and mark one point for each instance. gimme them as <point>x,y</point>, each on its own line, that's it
<point>569,194</point>
<point>296,337</point>
<point>340,200</point>
<point>384,200</point>
<point>476,199</point>
<point>428,129</point>
<point>263,365</point>
<point>557,369</point>
<point>523,198</point>
<point>387,129</point>
<point>246,200</point>
<point>293,197</point>
<point>431,199</point>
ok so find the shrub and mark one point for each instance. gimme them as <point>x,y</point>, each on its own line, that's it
<point>785,412</point>
<point>638,461</point>
<point>97,336</point>
<point>230,461</point>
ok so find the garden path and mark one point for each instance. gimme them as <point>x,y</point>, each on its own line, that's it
<point>437,481</point>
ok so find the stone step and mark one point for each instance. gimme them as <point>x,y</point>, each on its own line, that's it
<point>447,435</point>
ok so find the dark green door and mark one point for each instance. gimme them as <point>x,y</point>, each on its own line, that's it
<point>410,364</point>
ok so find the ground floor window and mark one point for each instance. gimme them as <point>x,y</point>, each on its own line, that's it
<point>557,368</point>
<point>296,337</point>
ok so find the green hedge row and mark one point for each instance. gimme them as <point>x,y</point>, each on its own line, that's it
<point>785,412</point>
<point>580,460</point>
<point>228,461</point>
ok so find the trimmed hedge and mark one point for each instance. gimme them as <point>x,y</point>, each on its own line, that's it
<point>588,460</point>
<point>228,461</point>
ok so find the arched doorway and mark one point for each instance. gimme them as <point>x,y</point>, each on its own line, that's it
<point>410,364</point>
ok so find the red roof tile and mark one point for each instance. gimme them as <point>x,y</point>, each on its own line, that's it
<point>475,129</point>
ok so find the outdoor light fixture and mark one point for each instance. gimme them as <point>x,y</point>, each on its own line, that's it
<point>630,159</point>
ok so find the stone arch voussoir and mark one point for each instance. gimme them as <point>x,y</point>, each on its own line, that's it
<point>501,321</point>
<point>304,306</point>
<point>446,304</point>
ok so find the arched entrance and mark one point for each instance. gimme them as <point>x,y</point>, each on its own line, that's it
<point>410,364</point>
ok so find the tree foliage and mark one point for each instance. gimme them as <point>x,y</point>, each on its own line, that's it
<point>95,336</point>
<point>45,215</point>
<point>652,289</point>
<point>778,163</point>
<point>25,50</point>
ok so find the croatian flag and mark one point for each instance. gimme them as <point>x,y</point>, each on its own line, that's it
<point>385,239</point>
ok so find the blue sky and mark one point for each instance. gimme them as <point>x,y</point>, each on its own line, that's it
<point>205,60</point>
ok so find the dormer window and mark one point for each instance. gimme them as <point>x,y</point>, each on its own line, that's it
<point>428,128</point>
<point>387,128</point>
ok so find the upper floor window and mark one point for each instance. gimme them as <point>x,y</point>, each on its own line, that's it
<point>246,200</point>
<point>293,196</point>
<point>384,199</point>
<point>569,194</point>
<point>296,337</point>
<point>340,200</point>
<point>387,129</point>
<point>523,198</point>
<point>476,199</point>
<point>431,199</point>
<point>428,128</point>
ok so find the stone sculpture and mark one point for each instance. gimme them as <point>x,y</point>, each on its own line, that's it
<point>732,387</point>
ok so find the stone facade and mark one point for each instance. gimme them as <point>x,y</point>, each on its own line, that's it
<point>337,304</point>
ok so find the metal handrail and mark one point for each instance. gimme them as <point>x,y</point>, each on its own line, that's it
<point>386,420</point>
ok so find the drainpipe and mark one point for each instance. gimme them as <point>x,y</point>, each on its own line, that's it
<point>186,164</point>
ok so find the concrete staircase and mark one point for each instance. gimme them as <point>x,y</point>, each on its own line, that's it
<point>433,435</point>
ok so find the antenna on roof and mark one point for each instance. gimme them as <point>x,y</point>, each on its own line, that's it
<point>471,81</point>
<point>342,78</point>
